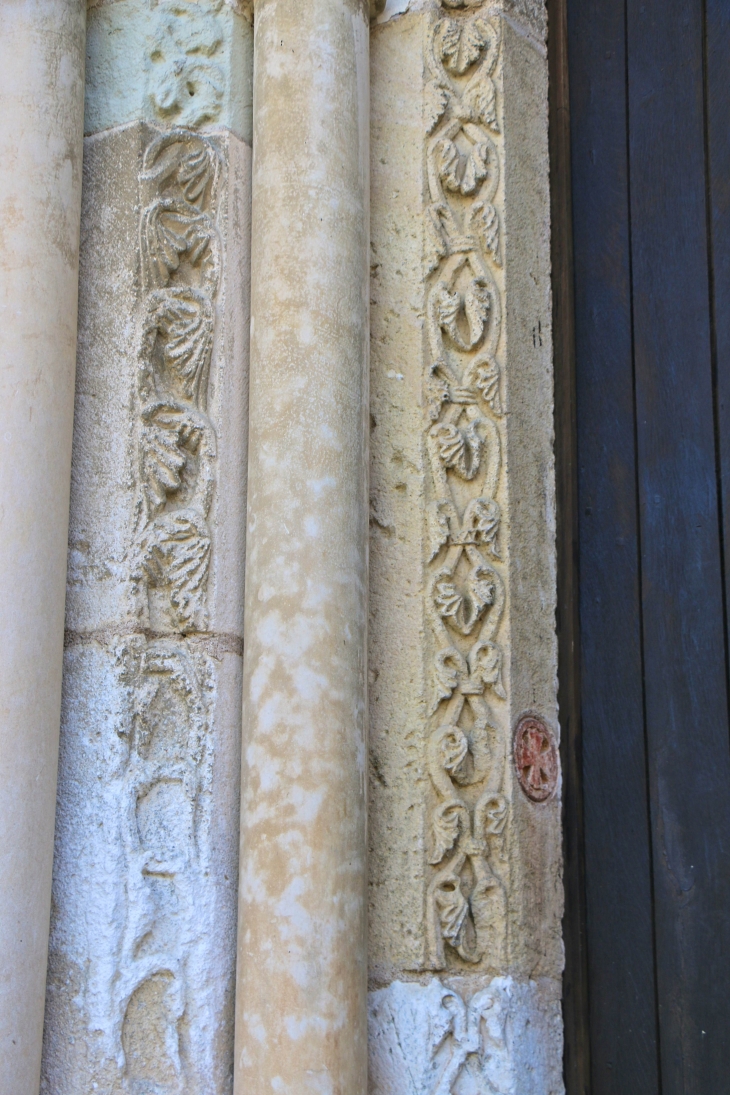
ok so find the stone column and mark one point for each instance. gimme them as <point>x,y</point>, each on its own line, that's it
<point>465,844</point>
<point>143,938</point>
<point>41,91</point>
<point>301,976</point>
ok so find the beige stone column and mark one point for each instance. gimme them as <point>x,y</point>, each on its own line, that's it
<point>41,91</point>
<point>301,976</point>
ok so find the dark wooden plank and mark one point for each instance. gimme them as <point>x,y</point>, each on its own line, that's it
<point>684,662</point>
<point>717,88</point>
<point>617,833</point>
<point>575,980</point>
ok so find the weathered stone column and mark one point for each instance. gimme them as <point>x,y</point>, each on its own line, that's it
<point>143,939</point>
<point>465,846</point>
<point>41,91</point>
<point>301,977</point>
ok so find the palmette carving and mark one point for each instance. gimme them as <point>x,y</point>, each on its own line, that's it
<point>180,250</point>
<point>166,783</point>
<point>463,439</point>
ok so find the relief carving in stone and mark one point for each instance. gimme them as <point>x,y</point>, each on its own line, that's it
<point>163,789</point>
<point>465,587</point>
<point>186,84</point>
<point>180,251</point>
<point>536,758</point>
<point>427,1040</point>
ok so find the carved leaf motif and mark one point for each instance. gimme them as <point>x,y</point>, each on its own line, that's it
<point>476,305</point>
<point>172,438</point>
<point>476,168</point>
<point>450,669</point>
<point>477,308</point>
<point>437,393</point>
<point>175,552</point>
<point>464,610</point>
<point>163,456</point>
<point>453,749</point>
<point>435,101</point>
<point>440,515</point>
<point>184,82</point>
<point>485,220</point>
<point>173,230</point>
<point>183,318</point>
<point>184,160</point>
<point>448,164</point>
<point>462,174</point>
<point>452,909</point>
<point>495,814</point>
<point>459,449</point>
<point>487,382</point>
<point>434,244</point>
<point>485,664</point>
<point>479,102</point>
<point>447,599</point>
<point>191,95</point>
<point>481,524</point>
<point>445,829</point>
<point>461,44</point>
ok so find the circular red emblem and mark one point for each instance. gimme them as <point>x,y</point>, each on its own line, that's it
<point>536,758</point>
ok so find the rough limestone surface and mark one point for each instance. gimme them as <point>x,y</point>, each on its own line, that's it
<point>142,955</point>
<point>467,1035</point>
<point>465,951</point>
<point>529,15</point>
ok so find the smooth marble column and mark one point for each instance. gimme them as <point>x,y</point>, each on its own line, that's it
<point>41,133</point>
<point>301,977</point>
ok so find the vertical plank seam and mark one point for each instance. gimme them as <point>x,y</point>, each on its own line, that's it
<point>640,557</point>
<point>713,340</point>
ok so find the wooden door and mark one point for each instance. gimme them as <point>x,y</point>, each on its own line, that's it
<point>641,135</point>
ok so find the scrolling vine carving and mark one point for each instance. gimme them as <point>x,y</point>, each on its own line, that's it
<point>465,590</point>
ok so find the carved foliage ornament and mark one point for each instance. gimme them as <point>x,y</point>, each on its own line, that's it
<point>463,439</point>
<point>164,804</point>
<point>429,1040</point>
<point>180,250</point>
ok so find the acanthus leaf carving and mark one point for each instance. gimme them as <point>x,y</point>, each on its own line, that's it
<point>463,439</point>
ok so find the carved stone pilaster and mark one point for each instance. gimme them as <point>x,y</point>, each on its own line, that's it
<point>465,835</point>
<point>142,958</point>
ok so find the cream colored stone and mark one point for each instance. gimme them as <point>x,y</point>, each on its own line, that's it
<point>301,975</point>
<point>41,90</point>
<point>465,870</point>
<point>142,956</point>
